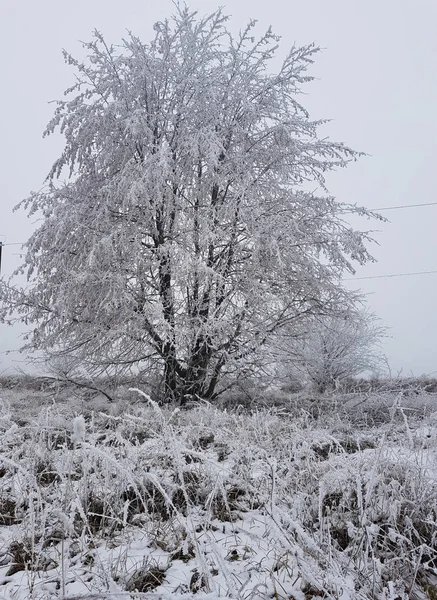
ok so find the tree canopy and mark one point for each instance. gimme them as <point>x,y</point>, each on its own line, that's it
<point>178,232</point>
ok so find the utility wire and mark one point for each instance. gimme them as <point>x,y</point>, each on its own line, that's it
<point>391,275</point>
<point>404,206</point>
<point>388,276</point>
<point>370,209</point>
<point>400,207</point>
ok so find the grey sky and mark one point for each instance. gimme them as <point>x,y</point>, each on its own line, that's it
<point>377,80</point>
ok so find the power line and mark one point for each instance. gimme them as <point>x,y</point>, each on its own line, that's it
<point>403,206</point>
<point>383,208</point>
<point>395,207</point>
<point>370,209</point>
<point>391,275</point>
<point>388,276</point>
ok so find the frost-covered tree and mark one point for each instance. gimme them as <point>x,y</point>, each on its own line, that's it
<point>177,227</point>
<point>334,348</point>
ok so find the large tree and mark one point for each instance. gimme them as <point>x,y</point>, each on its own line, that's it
<point>185,233</point>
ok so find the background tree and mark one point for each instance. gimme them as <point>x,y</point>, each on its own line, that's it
<point>183,236</point>
<point>335,348</point>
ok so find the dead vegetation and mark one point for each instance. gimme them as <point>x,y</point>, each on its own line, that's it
<point>185,502</point>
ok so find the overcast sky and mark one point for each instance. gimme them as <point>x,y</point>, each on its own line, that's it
<point>376,80</point>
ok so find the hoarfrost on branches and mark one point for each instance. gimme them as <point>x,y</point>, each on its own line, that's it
<point>334,348</point>
<point>184,236</point>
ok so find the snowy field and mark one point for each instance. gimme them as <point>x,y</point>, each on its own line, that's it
<point>298,499</point>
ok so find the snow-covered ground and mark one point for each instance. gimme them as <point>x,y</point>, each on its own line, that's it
<point>330,498</point>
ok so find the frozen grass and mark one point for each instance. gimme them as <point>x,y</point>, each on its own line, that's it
<point>334,498</point>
